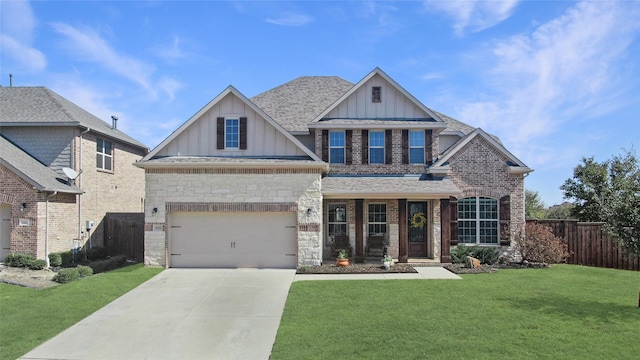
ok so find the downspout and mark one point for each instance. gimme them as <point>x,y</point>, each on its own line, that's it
<point>80,184</point>
<point>46,229</point>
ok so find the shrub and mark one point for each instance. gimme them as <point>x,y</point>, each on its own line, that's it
<point>486,254</point>
<point>67,275</point>
<point>84,271</point>
<point>19,260</point>
<point>97,253</point>
<point>108,264</point>
<point>55,259</point>
<point>38,264</point>
<point>67,258</point>
<point>538,244</point>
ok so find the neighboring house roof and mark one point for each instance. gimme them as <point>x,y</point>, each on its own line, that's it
<point>228,160</point>
<point>40,106</point>
<point>441,166</point>
<point>385,187</point>
<point>296,103</point>
<point>31,170</point>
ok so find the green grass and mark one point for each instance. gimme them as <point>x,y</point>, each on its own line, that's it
<point>29,317</point>
<point>565,312</point>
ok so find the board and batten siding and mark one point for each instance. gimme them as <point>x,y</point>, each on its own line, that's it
<point>394,104</point>
<point>199,139</point>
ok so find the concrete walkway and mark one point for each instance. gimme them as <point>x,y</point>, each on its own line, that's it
<point>423,273</point>
<point>182,314</point>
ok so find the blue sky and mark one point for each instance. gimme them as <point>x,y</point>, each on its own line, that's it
<point>555,80</point>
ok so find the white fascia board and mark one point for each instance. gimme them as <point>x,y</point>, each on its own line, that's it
<point>439,170</point>
<point>519,170</point>
<point>230,165</point>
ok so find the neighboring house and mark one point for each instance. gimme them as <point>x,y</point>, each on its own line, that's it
<point>276,180</point>
<point>45,208</point>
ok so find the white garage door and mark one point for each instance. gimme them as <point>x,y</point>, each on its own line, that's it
<point>229,239</point>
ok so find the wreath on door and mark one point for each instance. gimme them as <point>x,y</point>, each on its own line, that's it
<point>418,220</point>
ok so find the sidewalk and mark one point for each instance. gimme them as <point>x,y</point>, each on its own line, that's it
<point>423,273</point>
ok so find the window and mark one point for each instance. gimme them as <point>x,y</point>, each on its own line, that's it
<point>376,94</point>
<point>376,147</point>
<point>478,220</point>
<point>231,134</point>
<point>104,155</point>
<point>337,220</point>
<point>416,147</point>
<point>336,147</point>
<point>377,219</point>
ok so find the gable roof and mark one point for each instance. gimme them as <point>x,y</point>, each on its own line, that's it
<point>296,103</point>
<point>379,72</point>
<point>516,166</point>
<point>229,90</point>
<point>40,106</point>
<point>31,170</point>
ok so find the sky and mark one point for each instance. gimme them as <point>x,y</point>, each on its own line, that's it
<point>556,81</point>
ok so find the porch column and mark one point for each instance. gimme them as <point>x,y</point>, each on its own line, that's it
<point>359,236</point>
<point>403,239</point>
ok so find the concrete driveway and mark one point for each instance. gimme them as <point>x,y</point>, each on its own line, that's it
<point>182,314</point>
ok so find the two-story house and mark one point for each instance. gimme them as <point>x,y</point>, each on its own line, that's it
<point>62,170</point>
<point>277,180</point>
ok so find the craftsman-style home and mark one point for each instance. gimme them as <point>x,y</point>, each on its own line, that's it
<point>316,165</point>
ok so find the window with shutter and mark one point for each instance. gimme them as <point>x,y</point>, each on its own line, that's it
<point>376,147</point>
<point>478,220</point>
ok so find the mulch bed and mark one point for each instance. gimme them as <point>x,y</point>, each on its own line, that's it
<point>331,268</point>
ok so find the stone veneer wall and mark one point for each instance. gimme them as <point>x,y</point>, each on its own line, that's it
<point>481,170</point>
<point>233,190</point>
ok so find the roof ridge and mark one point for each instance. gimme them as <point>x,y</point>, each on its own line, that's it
<point>50,93</point>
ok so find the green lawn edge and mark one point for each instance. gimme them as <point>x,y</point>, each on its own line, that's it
<point>29,317</point>
<point>564,312</point>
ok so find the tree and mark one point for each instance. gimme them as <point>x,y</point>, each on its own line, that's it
<point>609,192</point>
<point>533,205</point>
<point>562,211</point>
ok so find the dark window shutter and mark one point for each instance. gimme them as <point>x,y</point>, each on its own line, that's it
<point>243,133</point>
<point>505,220</point>
<point>347,147</point>
<point>405,146</point>
<point>388,141</point>
<point>428,140</point>
<point>449,227</point>
<point>453,220</point>
<point>325,145</point>
<point>220,133</point>
<point>365,147</point>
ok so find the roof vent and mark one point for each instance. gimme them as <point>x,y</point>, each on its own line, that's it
<point>114,122</point>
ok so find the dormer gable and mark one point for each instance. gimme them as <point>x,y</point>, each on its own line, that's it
<point>231,126</point>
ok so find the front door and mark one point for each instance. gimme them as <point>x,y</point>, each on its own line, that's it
<point>418,229</point>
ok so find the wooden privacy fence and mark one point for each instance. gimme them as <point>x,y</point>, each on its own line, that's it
<point>124,235</point>
<point>590,245</point>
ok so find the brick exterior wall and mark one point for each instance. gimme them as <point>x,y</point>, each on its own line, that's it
<point>239,190</point>
<point>478,169</point>
<point>119,191</point>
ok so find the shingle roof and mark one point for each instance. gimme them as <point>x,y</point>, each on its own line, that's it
<point>31,170</point>
<point>295,104</point>
<point>388,187</point>
<point>38,105</point>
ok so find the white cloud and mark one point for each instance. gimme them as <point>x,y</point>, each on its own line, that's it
<point>18,24</point>
<point>475,15</point>
<point>291,19</point>
<point>569,68</point>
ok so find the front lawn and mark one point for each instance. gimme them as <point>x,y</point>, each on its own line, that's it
<point>558,313</point>
<point>29,317</point>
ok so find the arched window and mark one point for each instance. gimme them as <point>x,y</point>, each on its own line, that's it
<point>478,220</point>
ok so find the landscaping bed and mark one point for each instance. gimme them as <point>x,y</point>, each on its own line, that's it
<point>36,279</point>
<point>366,268</point>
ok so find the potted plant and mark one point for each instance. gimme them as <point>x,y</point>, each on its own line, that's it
<point>343,260</point>
<point>387,260</point>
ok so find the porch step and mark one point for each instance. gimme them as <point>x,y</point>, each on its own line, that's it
<point>423,262</point>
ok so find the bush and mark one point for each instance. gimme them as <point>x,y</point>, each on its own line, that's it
<point>38,264</point>
<point>19,260</point>
<point>67,258</point>
<point>538,244</point>
<point>97,253</point>
<point>55,259</point>
<point>108,264</point>
<point>84,271</point>
<point>67,275</point>
<point>486,254</point>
